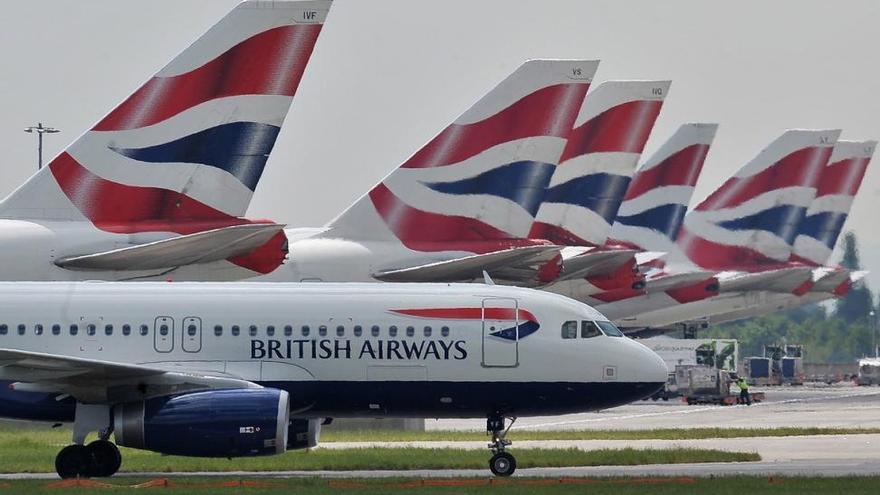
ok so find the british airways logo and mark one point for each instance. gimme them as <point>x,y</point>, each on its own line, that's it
<point>497,320</point>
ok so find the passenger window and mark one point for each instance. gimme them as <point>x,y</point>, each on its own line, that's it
<point>358,331</point>
<point>145,329</point>
<point>163,330</point>
<point>410,331</point>
<point>38,329</point>
<point>21,329</point>
<point>306,330</point>
<point>218,330</point>
<point>191,330</point>
<point>252,330</point>
<point>427,331</point>
<point>340,331</point>
<point>392,331</point>
<point>570,330</point>
<point>270,331</point>
<point>444,331</point>
<point>126,329</point>
<point>375,330</point>
<point>91,329</point>
<point>609,329</point>
<point>589,330</point>
<point>74,329</point>
<point>108,329</point>
<point>235,330</point>
<point>4,329</point>
<point>322,330</point>
<point>288,330</point>
<point>56,329</point>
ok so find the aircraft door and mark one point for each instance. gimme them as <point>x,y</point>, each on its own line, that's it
<point>191,334</point>
<point>500,333</point>
<point>163,334</point>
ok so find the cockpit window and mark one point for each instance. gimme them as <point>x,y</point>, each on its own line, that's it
<point>609,329</point>
<point>589,329</point>
<point>570,330</point>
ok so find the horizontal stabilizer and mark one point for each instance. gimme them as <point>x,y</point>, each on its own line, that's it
<point>594,262</point>
<point>93,380</point>
<point>518,264</point>
<point>780,280</point>
<point>676,280</point>
<point>201,247</point>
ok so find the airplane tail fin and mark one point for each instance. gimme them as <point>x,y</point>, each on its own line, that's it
<point>476,186</point>
<point>191,143</point>
<point>597,164</point>
<point>750,222</point>
<point>658,196</point>
<point>824,220</point>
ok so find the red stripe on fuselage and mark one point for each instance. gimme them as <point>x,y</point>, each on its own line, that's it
<point>801,168</point>
<point>506,314</point>
<point>682,168</point>
<point>260,65</point>
<point>549,111</point>
<point>624,128</point>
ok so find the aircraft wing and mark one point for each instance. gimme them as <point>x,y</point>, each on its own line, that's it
<point>779,280</point>
<point>93,380</point>
<point>594,262</point>
<point>201,247</point>
<point>520,264</point>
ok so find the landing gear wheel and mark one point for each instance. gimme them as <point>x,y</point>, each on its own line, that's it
<point>73,461</point>
<point>502,464</point>
<point>105,458</point>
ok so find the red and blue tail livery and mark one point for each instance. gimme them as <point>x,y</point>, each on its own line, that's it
<point>187,149</point>
<point>477,186</point>
<point>750,222</point>
<point>595,169</point>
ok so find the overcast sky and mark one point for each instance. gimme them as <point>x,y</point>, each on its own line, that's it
<point>387,75</point>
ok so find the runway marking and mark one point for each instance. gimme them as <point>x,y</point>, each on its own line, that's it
<point>694,410</point>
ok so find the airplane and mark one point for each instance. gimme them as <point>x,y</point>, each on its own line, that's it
<point>745,231</point>
<point>172,368</point>
<point>463,203</point>
<point>818,233</point>
<point>162,182</point>
<point>650,218</point>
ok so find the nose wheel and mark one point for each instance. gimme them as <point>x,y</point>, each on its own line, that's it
<point>502,462</point>
<point>100,459</point>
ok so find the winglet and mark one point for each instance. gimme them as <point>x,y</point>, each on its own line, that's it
<point>487,279</point>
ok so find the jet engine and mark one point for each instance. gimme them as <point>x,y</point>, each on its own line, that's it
<point>214,423</point>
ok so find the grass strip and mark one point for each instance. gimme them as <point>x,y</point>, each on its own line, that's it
<point>41,459</point>
<point>515,486</point>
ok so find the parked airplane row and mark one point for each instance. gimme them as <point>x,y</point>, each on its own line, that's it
<point>537,185</point>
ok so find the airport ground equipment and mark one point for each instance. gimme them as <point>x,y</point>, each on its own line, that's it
<point>682,354</point>
<point>869,372</point>
<point>712,386</point>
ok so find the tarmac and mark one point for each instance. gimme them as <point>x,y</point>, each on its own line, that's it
<point>842,406</point>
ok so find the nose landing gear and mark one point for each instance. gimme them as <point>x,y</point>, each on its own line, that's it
<point>502,462</point>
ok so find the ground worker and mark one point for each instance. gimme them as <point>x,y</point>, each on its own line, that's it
<point>744,396</point>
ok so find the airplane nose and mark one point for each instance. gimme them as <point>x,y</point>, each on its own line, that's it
<point>644,368</point>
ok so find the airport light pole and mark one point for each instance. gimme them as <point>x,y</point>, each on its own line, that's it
<point>40,130</point>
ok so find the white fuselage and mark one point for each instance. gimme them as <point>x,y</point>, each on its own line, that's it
<point>343,349</point>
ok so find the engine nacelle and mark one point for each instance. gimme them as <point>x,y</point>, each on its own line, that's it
<point>215,423</point>
<point>303,433</point>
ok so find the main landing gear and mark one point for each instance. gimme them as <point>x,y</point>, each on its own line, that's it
<point>100,458</point>
<point>502,462</point>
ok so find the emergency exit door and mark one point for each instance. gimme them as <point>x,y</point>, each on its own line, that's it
<point>500,332</point>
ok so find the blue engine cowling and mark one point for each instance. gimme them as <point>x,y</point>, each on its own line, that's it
<point>215,423</point>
